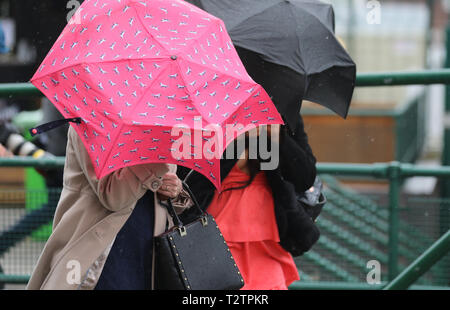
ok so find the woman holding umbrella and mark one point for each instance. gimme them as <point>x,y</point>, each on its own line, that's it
<point>95,214</point>
<point>127,80</point>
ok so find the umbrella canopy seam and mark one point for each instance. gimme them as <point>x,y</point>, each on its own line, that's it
<point>245,19</point>
<point>145,27</point>
<point>302,65</point>
<point>37,76</point>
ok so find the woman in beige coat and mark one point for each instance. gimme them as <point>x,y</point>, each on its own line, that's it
<point>91,213</point>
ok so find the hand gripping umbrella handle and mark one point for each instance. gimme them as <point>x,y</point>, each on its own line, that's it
<point>171,209</point>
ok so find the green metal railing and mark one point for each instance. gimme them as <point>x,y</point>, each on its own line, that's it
<point>395,172</point>
<point>367,210</point>
<point>423,263</point>
<point>427,77</point>
<point>19,89</point>
<point>51,162</point>
<point>424,77</point>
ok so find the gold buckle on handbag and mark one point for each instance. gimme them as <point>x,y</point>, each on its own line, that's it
<point>204,220</point>
<point>182,231</point>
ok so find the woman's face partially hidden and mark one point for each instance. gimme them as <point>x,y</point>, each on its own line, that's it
<point>256,131</point>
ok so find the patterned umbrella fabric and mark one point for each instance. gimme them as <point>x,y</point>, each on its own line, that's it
<point>152,81</point>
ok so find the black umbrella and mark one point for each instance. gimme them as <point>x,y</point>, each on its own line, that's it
<point>289,47</point>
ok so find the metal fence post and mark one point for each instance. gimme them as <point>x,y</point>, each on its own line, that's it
<point>444,210</point>
<point>394,192</point>
<point>445,184</point>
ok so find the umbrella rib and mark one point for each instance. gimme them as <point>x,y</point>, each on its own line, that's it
<point>223,74</point>
<point>324,67</point>
<point>146,29</point>
<point>298,39</point>
<point>94,63</point>
<point>196,40</point>
<point>248,17</point>
<point>243,101</point>
<point>122,124</point>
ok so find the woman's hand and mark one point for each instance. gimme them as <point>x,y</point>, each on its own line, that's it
<point>171,186</point>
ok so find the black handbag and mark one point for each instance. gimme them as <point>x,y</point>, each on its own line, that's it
<point>313,199</point>
<point>194,256</point>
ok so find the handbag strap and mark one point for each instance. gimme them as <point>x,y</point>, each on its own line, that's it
<point>171,209</point>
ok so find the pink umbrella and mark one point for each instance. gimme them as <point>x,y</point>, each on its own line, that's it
<point>152,81</point>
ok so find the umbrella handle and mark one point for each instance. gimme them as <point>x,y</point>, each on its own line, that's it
<point>188,189</point>
<point>194,200</point>
<point>54,124</point>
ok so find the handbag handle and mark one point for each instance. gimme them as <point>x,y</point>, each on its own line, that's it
<point>174,215</point>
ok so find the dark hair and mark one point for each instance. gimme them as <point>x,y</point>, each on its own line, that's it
<point>254,165</point>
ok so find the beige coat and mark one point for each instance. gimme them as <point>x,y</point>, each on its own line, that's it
<point>89,215</point>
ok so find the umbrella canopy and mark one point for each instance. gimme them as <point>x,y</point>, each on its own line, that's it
<point>152,81</point>
<point>296,38</point>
